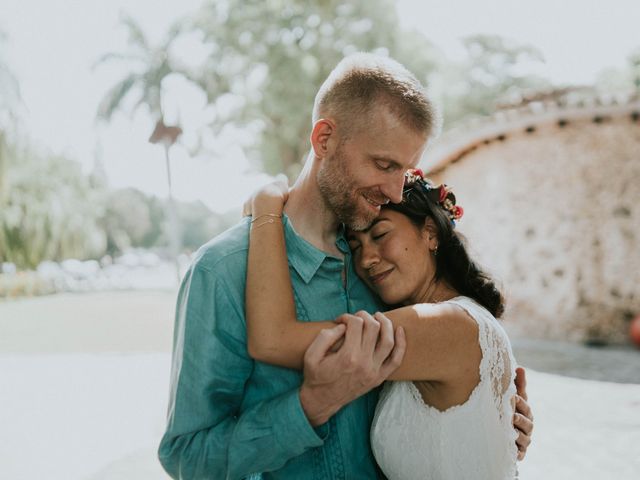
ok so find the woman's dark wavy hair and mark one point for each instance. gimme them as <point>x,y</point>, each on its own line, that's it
<point>420,199</point>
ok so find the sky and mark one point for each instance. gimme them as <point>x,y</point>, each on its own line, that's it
<point>53,45</point>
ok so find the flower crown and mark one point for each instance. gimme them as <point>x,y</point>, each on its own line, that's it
<point>440,194</point>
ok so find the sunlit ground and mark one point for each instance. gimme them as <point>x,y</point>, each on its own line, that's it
<point>85,379</point>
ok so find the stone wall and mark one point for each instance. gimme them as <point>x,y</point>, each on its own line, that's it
<point>553,210</point>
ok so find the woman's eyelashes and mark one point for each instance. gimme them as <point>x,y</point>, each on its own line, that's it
<point>379,235</point>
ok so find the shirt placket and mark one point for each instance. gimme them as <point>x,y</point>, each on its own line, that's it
<point>334,467</point>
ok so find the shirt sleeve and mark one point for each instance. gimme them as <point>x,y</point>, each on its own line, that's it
<point>208,436</point>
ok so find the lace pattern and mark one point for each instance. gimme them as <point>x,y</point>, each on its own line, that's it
<point>474,440</point>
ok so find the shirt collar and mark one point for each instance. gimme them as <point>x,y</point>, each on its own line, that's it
<point>304,257</point>
<point>341,240</point>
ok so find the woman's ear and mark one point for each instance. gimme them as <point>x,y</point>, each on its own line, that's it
<point>430,230</point>
<point>321,135</point>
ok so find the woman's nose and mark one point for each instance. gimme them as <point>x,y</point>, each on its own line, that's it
<point>369,256</point>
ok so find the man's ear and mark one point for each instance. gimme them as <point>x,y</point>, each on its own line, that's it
<point>324,131</point>
<point>431,231</point>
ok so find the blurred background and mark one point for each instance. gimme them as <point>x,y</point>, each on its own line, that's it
<point>131,133</point>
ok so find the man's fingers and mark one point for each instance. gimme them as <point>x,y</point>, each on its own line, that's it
<point>399,349</point>
<point>523,424</point>
<point>524,427</point>
<point>370,331</point>
<point>523,408</point>
<point>323,343</point>
<point>521,455</point>
<point>386,339</point>
<point>353,334</point>
<point>521,383</point>
<point>522,442</point>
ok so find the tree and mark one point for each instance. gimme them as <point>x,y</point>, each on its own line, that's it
<point>132,219</point>
<point>148,67</point>
<point>625,79</point>
<point>51,212</point>
<point>9,101</point>
<point>268,58</point>
<point>491,74</point>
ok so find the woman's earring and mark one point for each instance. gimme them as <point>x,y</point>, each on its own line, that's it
<point>435,251</point>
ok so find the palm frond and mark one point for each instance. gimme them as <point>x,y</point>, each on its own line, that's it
<point>115,56</point>
<point>136,35</point>
<point>114,97</point>
<point>152,98</point>
<point>176,29</point>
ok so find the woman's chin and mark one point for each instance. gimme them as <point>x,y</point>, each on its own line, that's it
<point>389,298</point>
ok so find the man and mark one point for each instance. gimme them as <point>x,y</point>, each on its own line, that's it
<point>230,417</point>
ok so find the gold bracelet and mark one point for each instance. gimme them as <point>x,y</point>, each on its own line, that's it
<point>275,215</point>
<point>271,220</point>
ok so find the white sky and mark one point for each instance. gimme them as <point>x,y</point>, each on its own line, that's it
<point>52,45</point>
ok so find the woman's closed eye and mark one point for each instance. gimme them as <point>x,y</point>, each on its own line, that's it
<point>378,235</point>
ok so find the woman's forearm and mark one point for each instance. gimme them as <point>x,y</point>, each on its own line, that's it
<point>273,333</point>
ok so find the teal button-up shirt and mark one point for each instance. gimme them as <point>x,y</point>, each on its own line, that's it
<point>230,416</point>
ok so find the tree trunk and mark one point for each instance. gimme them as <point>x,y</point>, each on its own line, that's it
<point>174,225</point>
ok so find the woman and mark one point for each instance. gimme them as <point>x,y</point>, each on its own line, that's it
<point>447,414</point>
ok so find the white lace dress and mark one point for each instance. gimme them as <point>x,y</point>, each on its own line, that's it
<point>475,440</point>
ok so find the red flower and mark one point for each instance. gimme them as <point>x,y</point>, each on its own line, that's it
<point>417,171</point>
<point>443,193</point>
<point>458,212</point>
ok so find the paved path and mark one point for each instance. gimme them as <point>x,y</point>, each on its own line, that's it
<point>84,384</point>
<point>99,417</point>
<point>610,364</point>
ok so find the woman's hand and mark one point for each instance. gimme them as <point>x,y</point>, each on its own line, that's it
<point>268,199</point>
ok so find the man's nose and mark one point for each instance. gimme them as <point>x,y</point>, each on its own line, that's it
<point>393,188</point>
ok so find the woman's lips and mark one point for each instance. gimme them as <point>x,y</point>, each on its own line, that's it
<point>376,279</point>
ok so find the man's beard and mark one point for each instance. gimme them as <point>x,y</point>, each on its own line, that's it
<point>339,193</point>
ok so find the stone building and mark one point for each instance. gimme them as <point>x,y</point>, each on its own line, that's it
<point>551,192</point>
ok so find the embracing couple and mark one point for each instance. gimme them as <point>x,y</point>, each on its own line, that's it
<point>280,349</point>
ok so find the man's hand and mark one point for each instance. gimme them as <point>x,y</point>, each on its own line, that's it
<point>369,354</point>
<point>523,418</point>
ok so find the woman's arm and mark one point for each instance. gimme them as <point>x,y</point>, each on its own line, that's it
<point>442,339</point>
<point>442,342</point>
<point>273,333</point>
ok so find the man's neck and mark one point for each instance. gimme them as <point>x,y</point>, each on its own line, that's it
<point>309,213</point>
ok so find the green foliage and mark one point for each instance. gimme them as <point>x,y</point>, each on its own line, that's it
<point>268,58</point>
<point>147,67</point>
<point>132,219</point>
<point>490,74</point>
<point>199,224</point>
<point>623,79</point>
<point>9,88</point>
<point>52,211</point>
<point>49,211</point>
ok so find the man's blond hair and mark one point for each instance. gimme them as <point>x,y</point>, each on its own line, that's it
<point>362,81</point>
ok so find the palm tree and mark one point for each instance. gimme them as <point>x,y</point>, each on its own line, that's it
<point>9,101</point>
<point>148,66</point>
